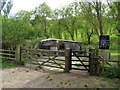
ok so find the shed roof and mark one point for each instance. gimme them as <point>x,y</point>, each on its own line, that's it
<point>53,39</point>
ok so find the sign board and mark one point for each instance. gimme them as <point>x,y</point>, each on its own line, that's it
<point>104,42</point>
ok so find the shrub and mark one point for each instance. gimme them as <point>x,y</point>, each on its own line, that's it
<point>21,63</point>
<point>7,63</point>
<point>112,73</point>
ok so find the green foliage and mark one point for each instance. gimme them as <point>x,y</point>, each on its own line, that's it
<point>76,21</point>
<point>21,63</point>
<point>111,73</point>
<point>10,64</point>
<point>7,64</point>
<point>31,43</point>
<point>16,30</point>
<point>40,67</point>
<point>114,42</point>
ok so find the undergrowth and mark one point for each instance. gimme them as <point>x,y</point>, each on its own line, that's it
<point>4,63</point>
<point>112,73</point>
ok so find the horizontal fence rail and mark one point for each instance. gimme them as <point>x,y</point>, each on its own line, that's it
<point>7,54</point>
<point>1,50</point>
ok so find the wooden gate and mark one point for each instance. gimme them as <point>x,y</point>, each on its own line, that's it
<point>80,60</point>
<point>86,60</point>
<point>67,60</point>
<point>42,57</point>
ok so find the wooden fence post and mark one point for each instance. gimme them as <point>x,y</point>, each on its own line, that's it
<point>97,60</point>
<point>91,61</point>
<point>18,53</point>
<point>68,64</point>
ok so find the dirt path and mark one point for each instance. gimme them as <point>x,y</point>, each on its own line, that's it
<point>22,77</point>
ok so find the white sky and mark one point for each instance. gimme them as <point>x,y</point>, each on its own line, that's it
<point>31,4</point>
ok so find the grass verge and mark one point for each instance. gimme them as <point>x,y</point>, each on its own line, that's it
<point>7,64</point>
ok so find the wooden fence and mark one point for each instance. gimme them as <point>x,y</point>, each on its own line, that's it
<point>7,54</point>
<point>68,60</point>
<point>10,54</point>
<point>52,58</point>
<point>109,60</point>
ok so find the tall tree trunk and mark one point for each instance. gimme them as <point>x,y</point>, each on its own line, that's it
<point>45,29</point>
<point>118,15</point>
<point>72,36</point>
<point>118,26</point>
<point>89,39</point>
<point>59,32</point>
<point>89,35</point>
<point>99,17</point>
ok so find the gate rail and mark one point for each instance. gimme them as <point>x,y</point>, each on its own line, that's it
<point>50,58</point>
<point>78,55</point>
<point>59,59</point>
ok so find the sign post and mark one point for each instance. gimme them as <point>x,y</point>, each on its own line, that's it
<point>104,42</point>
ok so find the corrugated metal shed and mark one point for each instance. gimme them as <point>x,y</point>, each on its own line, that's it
<point>59,44</point>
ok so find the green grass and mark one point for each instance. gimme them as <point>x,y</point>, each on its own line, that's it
<point>113,51</point>
<point>7,64</point>
<point>115,54</point>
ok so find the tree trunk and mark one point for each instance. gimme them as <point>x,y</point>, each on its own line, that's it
<point>118,26</point>
<point>89,35</point>
<point>45,29</point>
<point>99,17</point>
<point>72,36</point>
<point>89,39</point>
<point>118,15</point>
<point>59,33</point>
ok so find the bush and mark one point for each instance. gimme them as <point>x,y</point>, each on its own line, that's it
<point>21,63</point>
<point>7,63</point>
<point>112,73</point>
<point>10,63</point>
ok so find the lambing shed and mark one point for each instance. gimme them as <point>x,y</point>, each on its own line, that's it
<point>58,44</point>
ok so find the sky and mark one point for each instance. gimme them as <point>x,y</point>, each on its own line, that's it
<point>31,4</point>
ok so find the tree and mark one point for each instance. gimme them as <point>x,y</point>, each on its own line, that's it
<point>70,22</point>
<point>17,29</point>
<point>42,13</point>
<point>88,20</point>
<point>117,4</point>
<point>6,6</point>
<point>57,21</point>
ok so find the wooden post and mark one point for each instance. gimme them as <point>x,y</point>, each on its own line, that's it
<point>18,53</point>
<point>68,64</point>
<point>91,61</point>
<point>103,54</point>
